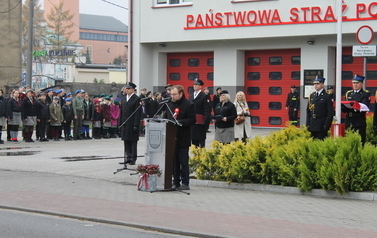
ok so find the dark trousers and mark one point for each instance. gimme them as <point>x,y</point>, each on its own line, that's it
<point>362,130</point>
<point>319,134</point>
<point>42,125</point>
<point>77,124</point>
<point>181,166</point>
<point>130,147</point>
<point>67,128</point>
<point>55,131</point>
<point>199,143</point>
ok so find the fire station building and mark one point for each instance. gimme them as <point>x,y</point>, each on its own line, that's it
<point>261,47</point>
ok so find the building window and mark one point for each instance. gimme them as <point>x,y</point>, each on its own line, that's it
<point>193,62</point>
<point>371,75</point>
<point>276,60</point>
<point>175,63</point>
<point>210,76</point>
<point>274,105</point>
<point>253,76</point>
<point>295,75</point>
<point>347,75</point>
<point>253,90</point>
<point>347,59</point>
<point>193,76</point>
<point>253,61</point>
<point>175,76</point>
<point>255,120</point>
<point>274,120</point>
<point>372,60</point>
<point>210,62</point>
<point>296,60</point>
<point>159,3</point>
<point>253,105</point>
<point>275,90</point>
<point>103,37</point>
<point>275,75</point>
<point>190,90</point>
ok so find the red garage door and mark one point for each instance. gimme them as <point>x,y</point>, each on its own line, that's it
<point>269,76</point>
<point>184,68</point>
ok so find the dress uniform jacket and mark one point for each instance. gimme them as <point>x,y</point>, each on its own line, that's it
<point>293,100</point>
<point>127,108</point>
<point>202,109</point>
<point>320,112</point>
<point>356,118</point>
<point>186,117</point>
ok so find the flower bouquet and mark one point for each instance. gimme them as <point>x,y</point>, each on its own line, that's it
<point>148,177</point>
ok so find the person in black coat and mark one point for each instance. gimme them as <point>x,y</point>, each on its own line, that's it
<point>293,105</point>
<point>184,113</point>
<point>68,116</point>
<point>3,113</point>
<point>130,116</point>
<point>225,113</point>
<point>203,111</point>
<point>43,116</point>
<point>356,119</point>
<point>216,98</point>
<point>320,111</point>
<point>14,109</point>
<point>29,115</point>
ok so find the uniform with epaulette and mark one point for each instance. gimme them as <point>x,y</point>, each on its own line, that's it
<point>319,112</point>
<point>293,105</point>
<point>356,119</point>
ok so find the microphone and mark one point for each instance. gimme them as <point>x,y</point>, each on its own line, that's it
<point>165,101</point>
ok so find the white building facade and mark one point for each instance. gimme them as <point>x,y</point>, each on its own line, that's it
<point>261,47</point>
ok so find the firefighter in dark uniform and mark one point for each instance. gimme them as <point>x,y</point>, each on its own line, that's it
<point>293,105</point>
<point>356,119</point>
<point>330,91</point>
<point>203,112</point>
<point>130,116</point>
<point>320,111</point>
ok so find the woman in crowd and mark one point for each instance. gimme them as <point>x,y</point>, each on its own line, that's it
<point>3,113</point>
<point>97,118</point>
<point>115,113</point>
<point>88,116</point>
<point>29,115</point>
<point>43,116</point>
<point>106,117</point>
<point>225,113</point>
<point>14,110</point>
<point>242,131</point>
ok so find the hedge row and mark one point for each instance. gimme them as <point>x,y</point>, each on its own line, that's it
<point>290,157</point>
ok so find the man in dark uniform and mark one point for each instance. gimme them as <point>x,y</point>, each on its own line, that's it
<point>320,111</point>
<point>203,112</point>
<point>293,105</point>
<point>130,116</point>
<point>184,113</point>
<point>330,91</point>
<point>356,119</point>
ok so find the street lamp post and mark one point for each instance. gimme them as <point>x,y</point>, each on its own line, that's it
<point>29,63</point>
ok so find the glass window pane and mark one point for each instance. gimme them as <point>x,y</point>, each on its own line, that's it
<point>276,75</point>
<point>347,75</point>
<point>161,1</point>
<point>372,60</point>
<point>190,90</point>
<point>347,59</point>
<point>193,62</point>
<point>371,75</point>
<point>253,105</point>
<point>274,120</point>
<point>174,1</point>
<point>255,120</point>
<point>253,61</point>
<point>296,60</point>
<point>175,76</point>
<point>295,75</point>
<point>210,62</point>
<point>210,76</point>
<point>253,91</point>
<point>193,76</point>
<point>175,63</point>
<point>276,60</point>
<point>253,76</point>
<point>275,90</point>
<point>274,105</point>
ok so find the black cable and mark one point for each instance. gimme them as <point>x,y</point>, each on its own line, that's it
<point>12,8</point>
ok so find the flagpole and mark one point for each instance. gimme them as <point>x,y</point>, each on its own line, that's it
<point>338,89</point>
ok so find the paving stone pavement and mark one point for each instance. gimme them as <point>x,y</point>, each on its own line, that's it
<point>48,182</point>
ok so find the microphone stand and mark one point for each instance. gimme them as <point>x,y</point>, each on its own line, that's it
<point>124,153</point>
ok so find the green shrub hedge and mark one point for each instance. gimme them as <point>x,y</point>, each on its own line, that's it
<point>290,157</point>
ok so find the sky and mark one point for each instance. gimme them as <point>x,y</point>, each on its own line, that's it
<point>104,8</point>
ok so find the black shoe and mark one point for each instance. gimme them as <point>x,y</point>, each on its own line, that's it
<point>175,186</point>
<point>1,142</point>
<point>43,140</point>
<point>66,139</point>
<point>184,187</point>
<point>131,163</point>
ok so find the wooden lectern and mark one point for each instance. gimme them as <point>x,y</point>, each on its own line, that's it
<point>160,142</point>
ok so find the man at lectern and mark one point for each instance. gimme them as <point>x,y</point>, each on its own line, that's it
<point>183,112</point>
<point>130,116</point>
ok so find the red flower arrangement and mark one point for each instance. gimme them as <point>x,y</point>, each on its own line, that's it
<point>149,169</point>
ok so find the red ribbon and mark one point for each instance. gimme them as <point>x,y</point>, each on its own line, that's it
<point>143,180</point>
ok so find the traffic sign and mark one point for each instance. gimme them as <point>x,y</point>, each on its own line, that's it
<point>364,50</point>
<point>365,35</point>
